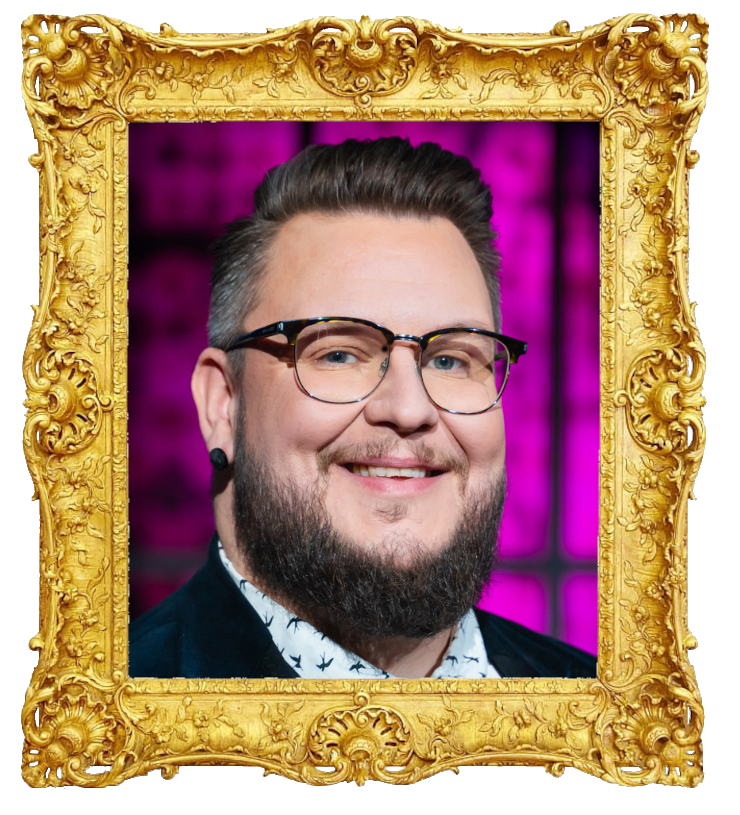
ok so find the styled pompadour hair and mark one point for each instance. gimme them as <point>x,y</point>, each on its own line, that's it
<point>386,176</point>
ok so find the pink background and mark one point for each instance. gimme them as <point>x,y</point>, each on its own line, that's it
<point>187,180</point>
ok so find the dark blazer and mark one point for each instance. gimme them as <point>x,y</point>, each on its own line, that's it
<point>207,629</point>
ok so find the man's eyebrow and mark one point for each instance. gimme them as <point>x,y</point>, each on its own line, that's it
<point>469,324</point>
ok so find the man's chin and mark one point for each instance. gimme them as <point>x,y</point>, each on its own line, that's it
<point>395,545</point>
<point>383,578</point>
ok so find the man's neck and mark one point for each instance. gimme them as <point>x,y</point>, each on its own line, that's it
<point>399,656</point>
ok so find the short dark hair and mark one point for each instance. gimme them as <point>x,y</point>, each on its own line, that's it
<point>386,176</point>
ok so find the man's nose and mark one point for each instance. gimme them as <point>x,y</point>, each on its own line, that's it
<point>400,400</point>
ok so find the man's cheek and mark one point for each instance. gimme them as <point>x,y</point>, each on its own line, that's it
<point>312,429</point>
<point>484,442</point>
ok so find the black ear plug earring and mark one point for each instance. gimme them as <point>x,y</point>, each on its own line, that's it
<point>218,459</point>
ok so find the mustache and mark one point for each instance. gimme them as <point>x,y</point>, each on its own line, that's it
<point>420,449</point>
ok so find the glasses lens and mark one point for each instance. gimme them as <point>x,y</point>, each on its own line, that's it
<point>465,372</point>
<point>340,361</point>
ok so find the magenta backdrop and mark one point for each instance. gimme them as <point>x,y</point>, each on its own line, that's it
<point>187,180</point>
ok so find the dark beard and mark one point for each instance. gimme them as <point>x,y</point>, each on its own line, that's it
<point>299,558</point>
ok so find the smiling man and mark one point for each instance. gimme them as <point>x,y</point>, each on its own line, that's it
<point>351,401</point>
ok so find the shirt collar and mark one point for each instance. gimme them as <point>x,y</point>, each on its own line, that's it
<point>313,655</point>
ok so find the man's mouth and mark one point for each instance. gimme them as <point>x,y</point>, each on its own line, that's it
<point>391,472</point>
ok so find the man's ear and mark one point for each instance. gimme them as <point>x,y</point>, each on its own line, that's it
<point>215,399</point>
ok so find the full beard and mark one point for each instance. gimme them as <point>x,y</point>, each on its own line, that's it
<point>299,558</point>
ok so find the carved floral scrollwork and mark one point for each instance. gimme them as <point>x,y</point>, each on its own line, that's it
<point>653,67</point>
<point>200,77</point>
<point>648,296</point>
<point>282,73</point>
<point>664,400</point>
<point>443,74</point>
<point>284,736</point>
<point>65,405</point>
<point>70,727</point>
<point>360,742</point>
<point>445,737</point>
<point>74,498</point>
<point>657,736</point>
<point>197,726</point>
<point>363,59</point>
<point>652,489</point>
<point>535,76</point>
<point>68,65</point>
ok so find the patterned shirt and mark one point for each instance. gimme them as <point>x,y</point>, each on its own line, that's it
<point>314,656</point>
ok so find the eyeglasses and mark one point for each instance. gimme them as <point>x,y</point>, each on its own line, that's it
<point>343,359</point>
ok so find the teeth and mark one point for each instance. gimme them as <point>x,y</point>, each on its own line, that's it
<point>389,472</point>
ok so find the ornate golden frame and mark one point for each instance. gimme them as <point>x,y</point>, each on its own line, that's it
<point>85,721</point>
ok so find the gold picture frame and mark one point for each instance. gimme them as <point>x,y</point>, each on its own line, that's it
<point>85,721</point>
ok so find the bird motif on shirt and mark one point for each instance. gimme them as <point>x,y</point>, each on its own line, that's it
<point>324,664</point>
<point>451,658</point>
<point>294,622</point>
<point>471,659</point>
<point>268,623</point>
<point>297,660</point>
<point>358,666</point>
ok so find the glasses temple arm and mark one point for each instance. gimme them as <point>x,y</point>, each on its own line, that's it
<point>258,334</point>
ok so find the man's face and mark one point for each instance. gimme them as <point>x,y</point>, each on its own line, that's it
<point>413,277</point>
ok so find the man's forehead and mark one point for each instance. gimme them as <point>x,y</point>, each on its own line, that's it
<point>406,266</point>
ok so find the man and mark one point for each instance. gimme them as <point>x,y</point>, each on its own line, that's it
<point>351,403</point>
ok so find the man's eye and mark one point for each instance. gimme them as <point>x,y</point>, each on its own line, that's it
<point>447,363</point>
<point>337,358</point>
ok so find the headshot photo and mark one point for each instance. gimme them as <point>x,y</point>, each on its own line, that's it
<point>363,400</point>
